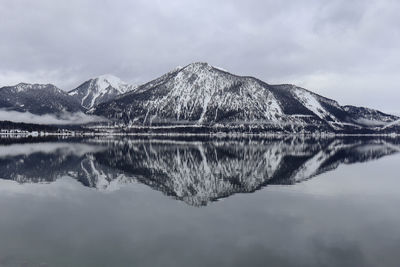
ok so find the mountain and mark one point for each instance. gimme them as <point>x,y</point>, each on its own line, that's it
<point>369,117</point>
<point>202,95</point>
<point>37,99</point>
<point>194,172</point>
<point>99,90</point>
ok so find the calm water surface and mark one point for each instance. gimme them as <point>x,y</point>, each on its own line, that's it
<point>129,202</point>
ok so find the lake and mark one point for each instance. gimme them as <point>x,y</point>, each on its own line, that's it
<point>199,202</point>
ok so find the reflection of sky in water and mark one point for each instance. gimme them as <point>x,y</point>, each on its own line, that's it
<point>346,217</point>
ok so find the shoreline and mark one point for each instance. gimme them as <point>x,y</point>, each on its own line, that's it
<point>216,135</point>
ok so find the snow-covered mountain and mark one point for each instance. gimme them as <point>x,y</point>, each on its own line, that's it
<point>99,90</point>
<point>200,94</point>
<point>369,117</point>
<point>37,99</point>
<point>194,172</point>
<point>201,98</point>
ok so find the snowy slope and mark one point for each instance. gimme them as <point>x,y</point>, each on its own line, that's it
<point>370,117</point>
<point>99,90</point>
<point>200,94</point>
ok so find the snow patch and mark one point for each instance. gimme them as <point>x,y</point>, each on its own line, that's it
<point>395,123</point>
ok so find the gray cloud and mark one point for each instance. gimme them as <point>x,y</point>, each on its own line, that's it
<point>346,50</point>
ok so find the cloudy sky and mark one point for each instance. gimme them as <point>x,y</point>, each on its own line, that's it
<point>348,50</point>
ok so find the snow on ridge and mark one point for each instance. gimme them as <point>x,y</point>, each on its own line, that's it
<point>219,68</point>
<point>197,88</point>
<point>207,95</point>
<point>21,87</point>
<point>106,80</point>
<point>397,122</point>
<point>100,89</point>
<point>310,101</point>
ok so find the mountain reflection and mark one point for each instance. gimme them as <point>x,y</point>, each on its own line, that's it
<point>193,171</point>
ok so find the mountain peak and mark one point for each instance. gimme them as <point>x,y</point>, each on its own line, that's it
<point>100,89</point>
<point>198,66</point>
<point>35,86</point>
<point>200,63</point>
<point>203,67</point>
<point>106,80</point>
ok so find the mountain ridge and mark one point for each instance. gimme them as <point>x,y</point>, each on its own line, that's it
<point>200,94</point>
<point>37,99</point>
<point>99,90</point>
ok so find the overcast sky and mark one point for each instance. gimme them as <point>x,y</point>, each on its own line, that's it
<point>346,50</point>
